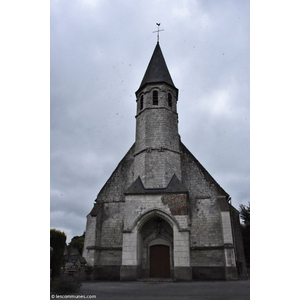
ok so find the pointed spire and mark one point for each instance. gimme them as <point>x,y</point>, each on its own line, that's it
<point>157,70</point>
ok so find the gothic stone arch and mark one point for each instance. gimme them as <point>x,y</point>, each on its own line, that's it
<point>156,248</point>
<point>144,233</point>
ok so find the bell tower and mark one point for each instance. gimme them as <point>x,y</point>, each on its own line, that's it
<point>157,154</point>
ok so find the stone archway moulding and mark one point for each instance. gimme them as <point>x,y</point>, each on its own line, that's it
<point>147,215</point>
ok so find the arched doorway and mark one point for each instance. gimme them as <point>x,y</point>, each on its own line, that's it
<point>154,227</point>
<point>160,261</point>
<point>156,248</point>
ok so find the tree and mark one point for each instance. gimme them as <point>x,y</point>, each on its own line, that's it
<point>245,228</point>
<point>77,242</point>
<point>58,243</point>
<point>245,214</point>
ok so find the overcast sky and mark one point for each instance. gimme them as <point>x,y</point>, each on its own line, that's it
<point>100,50</point>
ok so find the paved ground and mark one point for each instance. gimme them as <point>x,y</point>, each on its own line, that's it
<point>213,290</point>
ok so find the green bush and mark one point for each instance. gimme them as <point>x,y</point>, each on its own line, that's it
<point>77,242</point>
<point>57,242</point>
<point>65,285</point>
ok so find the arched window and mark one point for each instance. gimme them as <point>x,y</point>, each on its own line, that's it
<point>142,102</point>
<point>170,99</point>
<point>155,97</point>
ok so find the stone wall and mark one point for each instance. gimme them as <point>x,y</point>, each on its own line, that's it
<point>206,225</point>
<point>119,181</point>
<point>138,205</point>
<point>163,91</point>
<point>211,232</point>
<point>112,224</point>
<point>141,212</point>
<point>157,155</point>
<point>156,167</point>
<point>157,127</point>
<point>240,255</point>
<point>203,244</point>
<point>103,238</point>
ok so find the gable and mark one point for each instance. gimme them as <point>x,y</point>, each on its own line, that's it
<point>121,178</point>
<point>189,165</point>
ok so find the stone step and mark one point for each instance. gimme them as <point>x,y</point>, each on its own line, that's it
<point>154,279</point>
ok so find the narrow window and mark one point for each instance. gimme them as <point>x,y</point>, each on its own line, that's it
<point>170,99</point>
<point>141,102</point>
<point>155,97</point>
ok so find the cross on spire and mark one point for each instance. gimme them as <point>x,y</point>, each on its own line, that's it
<point>158,30</point>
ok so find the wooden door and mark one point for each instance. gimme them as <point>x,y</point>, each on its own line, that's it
<point>160,261</point>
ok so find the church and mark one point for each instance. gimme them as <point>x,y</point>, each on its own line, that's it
<point>161,214</point>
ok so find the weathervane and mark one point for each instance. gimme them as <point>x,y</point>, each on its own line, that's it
<point>158,30</point>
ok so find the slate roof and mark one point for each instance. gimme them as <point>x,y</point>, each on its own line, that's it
<point>157,70</point>
<point>174,186</point>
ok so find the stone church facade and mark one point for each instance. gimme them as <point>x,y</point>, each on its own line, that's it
<point>161,214</point>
